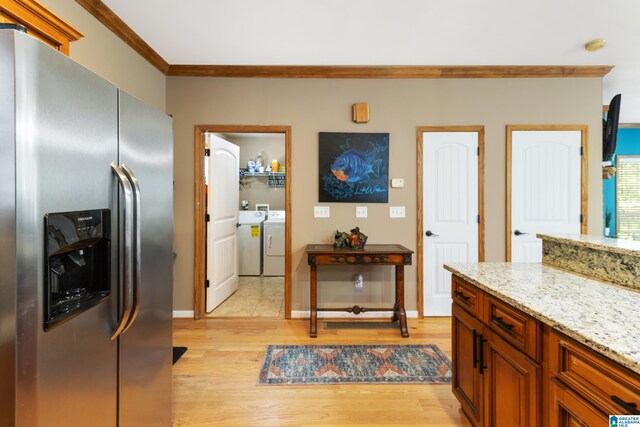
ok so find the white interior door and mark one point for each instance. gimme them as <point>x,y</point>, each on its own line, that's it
<point>222,207</point>
<point>545,189</point>
<point>450,206</point>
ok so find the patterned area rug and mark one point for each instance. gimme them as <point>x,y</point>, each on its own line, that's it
<point>340,364</point>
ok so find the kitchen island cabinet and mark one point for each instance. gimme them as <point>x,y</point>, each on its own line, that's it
<point>511,384</point>
<point>499,382</point>
<point>495,382</point>
<point>534,345</point>
<point>587,387</point>
<point>467,381</point>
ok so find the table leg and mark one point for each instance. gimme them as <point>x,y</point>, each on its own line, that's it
<point>399,312</point>
<point>313,302</point>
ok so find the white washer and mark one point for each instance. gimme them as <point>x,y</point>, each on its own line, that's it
<point>250,242</point>
<point>274,244</point>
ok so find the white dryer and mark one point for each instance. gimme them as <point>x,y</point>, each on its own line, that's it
<point>274,244</point>
<point>250,242</point>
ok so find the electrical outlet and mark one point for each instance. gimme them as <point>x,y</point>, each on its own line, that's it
<point>321,212</point>
<point>396,211</point>
<point>361,211</point>
<point>358,281</point>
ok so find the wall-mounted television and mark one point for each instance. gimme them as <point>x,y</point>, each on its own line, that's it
<point>610,130</point>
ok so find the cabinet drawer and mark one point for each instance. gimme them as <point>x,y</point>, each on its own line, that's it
<point>516,327</point>
<point>466,295</point>
<point>568,409</point>
<point>609,386</point>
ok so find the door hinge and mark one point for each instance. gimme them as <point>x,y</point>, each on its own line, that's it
<point>478,218</point>
<point>206,283</point>
<point>207,218</point>
<point>581,151</point>
<point>207,152</point>
<point>478,151</point>
<point>581,218</point>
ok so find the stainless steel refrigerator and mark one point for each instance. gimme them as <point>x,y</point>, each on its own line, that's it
<point>86,202</point>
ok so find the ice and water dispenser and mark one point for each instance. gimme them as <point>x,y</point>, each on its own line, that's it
<point>78,271</point>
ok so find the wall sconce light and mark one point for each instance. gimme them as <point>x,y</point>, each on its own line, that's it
<point>360,112</point>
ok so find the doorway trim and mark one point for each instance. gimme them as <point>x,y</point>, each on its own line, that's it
<point>199,210</point>
<point>584,184</point>
<point>420,193</point>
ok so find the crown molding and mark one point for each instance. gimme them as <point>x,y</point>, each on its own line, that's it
<point>390,72</point>
<point>110,20</point>
<point>39,14</point>
<point>40,22</point>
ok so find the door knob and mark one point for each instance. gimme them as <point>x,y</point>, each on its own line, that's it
<point>429,234</point>
<point>519,233</point>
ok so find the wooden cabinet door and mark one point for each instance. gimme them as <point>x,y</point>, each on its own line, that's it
<point>467,382</point>
<point>511,385</point>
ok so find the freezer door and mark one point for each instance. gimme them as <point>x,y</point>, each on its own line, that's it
<point>146,149</point>
<point>66,138</point>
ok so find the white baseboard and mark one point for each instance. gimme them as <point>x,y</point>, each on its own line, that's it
<point>304,314</point>
<point>178,314</point>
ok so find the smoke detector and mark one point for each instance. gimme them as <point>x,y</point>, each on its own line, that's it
<point>595,44</point>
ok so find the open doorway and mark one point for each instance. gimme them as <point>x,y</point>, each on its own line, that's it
<point>262,237</point>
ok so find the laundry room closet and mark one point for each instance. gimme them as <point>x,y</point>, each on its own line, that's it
<point>260,227</point>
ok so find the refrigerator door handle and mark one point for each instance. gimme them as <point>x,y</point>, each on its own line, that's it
<point>137,243</point>
<point>127,288</point>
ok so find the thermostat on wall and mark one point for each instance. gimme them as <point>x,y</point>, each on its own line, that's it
<point>397,183</point>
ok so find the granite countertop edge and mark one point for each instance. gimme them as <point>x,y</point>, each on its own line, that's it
<point>608,244</point>
<point>601,348</point>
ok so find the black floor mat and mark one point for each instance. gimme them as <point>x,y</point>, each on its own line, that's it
<point>177,353</point>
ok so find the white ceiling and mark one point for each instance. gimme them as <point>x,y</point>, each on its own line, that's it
<point>397,32</point>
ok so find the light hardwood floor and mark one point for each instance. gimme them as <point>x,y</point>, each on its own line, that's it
<point>215,382</point>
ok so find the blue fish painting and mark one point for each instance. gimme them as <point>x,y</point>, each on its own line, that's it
<point>354,167</point>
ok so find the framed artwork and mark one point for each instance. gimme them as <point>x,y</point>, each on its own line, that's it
<point>353,167</point>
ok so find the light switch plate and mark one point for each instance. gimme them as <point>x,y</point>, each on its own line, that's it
<point>321,212</point>
<point>396,211</point>
<point>361,211</point>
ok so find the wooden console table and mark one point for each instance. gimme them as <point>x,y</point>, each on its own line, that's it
<point>370,255</point>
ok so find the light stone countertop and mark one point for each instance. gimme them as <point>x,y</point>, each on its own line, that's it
<point>620,246</point>
<point>604,317</point>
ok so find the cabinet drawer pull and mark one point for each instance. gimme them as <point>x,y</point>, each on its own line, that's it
<point>475,348</point>
<point>507,327</point>
<point>630,407</point>
<point>481,341</point>
<point>462,296</point>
